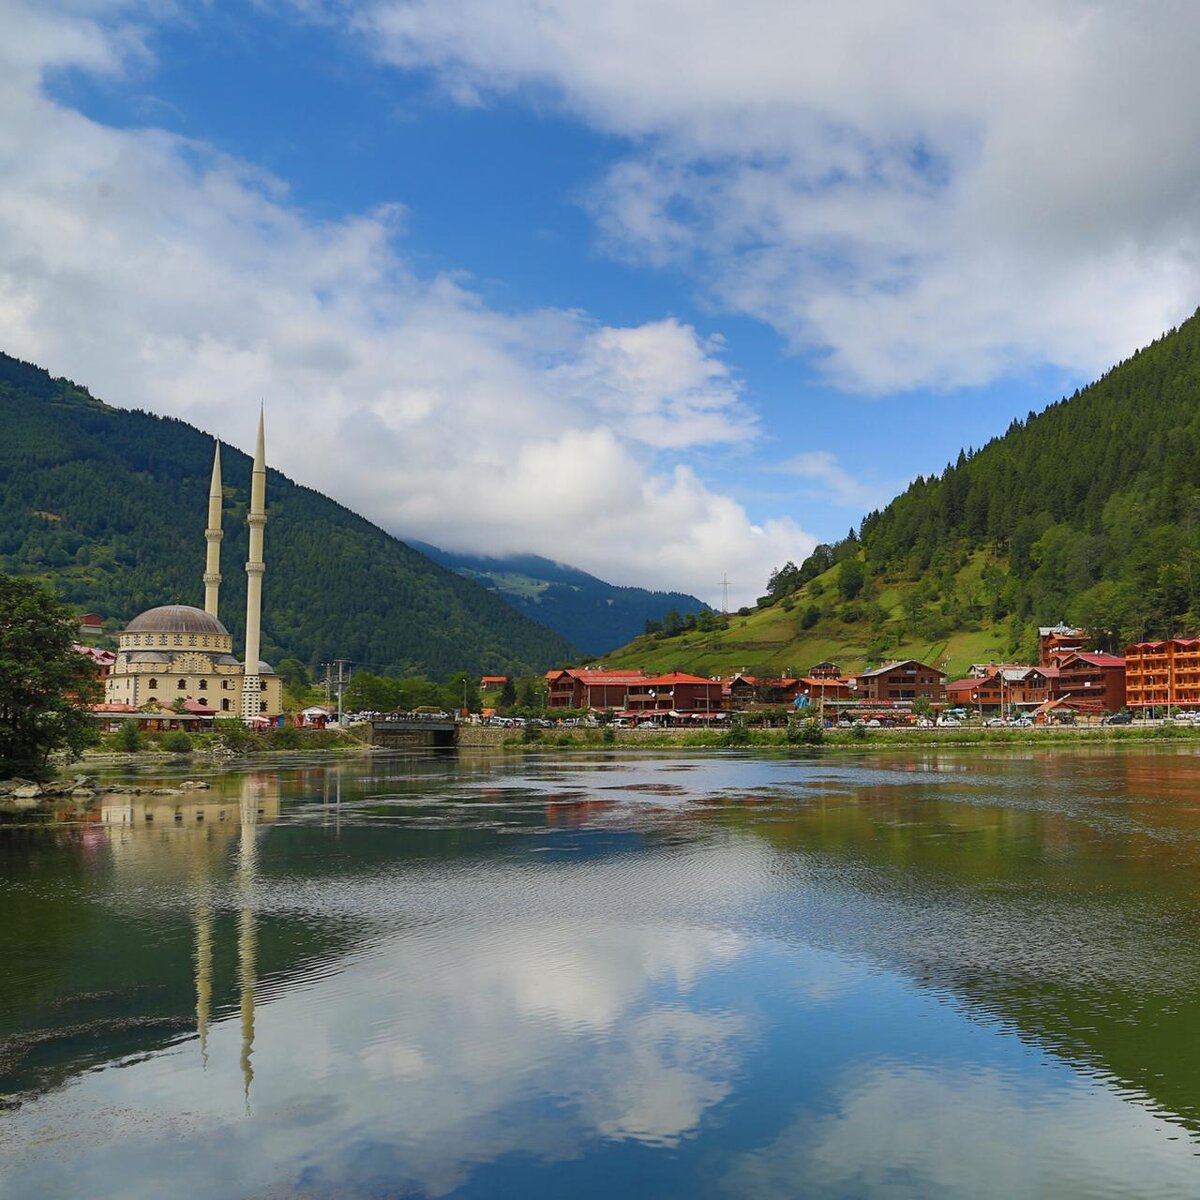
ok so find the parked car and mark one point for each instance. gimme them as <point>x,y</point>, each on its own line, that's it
<point>873,723</point>
<point>950,722</point>
<point>1119,718</point>
<point>1023,723</point>
<point>995,722</point>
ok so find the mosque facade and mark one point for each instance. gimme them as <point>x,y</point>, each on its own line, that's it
<point>180,653</point>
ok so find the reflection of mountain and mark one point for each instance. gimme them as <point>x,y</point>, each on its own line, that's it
<point>1057,899</point>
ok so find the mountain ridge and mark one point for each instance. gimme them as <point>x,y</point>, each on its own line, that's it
<point>109,504</point>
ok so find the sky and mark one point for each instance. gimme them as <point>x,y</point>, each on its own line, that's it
<point>668,291</point>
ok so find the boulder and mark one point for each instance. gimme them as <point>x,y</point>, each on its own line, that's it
<point>27,791</point>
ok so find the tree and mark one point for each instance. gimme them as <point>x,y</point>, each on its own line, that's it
<point>46,686</point>
<point>508,694</point>
<point>850,578</point>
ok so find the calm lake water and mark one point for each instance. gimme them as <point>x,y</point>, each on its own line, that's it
<point>912,975</point>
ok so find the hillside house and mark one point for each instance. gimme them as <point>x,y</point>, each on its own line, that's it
<point>907,680</point>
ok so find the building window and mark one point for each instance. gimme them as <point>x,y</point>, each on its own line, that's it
<point>204,685</point>
<point>179,639</point>
<point>224,705</point>
<point>262,683</point>
<point>262,706</point>
<point>191,639</point>
<point>152,683</point>
<point>182,685</point>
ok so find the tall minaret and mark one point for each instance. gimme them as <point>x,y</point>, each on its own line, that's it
<point>252,685</point>
<point>212,535</point>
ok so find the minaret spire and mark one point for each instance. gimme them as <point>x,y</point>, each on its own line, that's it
<point>212,535</point>
<point>255,566</point>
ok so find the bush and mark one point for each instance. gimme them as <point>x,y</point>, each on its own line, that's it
<point>129,737</point>
<point>737,735</point>
<point>531,732</point>
<point>609,735</point>
<point>806,733</point>
<point>177,742</point>
<point>233,734</point>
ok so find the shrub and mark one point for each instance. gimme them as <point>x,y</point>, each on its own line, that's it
<point>609,735</point>
<point>233,734</point>
<point>177,742</point>
<point>531,732</point>
<point>129,737</point>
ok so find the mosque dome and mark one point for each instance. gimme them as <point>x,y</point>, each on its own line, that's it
<point>176,618</point>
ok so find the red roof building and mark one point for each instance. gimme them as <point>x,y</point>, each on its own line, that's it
<point>573,687</point>
<point>1092,681</point>
<point>904,681</point>
<point>676,692</point>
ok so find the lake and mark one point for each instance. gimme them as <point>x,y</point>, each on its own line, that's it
<point>904,974</point>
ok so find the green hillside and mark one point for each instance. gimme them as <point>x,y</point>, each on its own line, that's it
<point>110,506</point>
<point>1088,511</point>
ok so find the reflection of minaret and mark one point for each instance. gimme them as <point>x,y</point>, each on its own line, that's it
<point>257,518</point>
<point>204,957</point>
<point>247,931</point>
<point>212,566</point>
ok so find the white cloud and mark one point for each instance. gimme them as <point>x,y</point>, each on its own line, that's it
<point>915,1129</point>
<point>931,194</point>
<point>834,482</point>
<point>167,276</point>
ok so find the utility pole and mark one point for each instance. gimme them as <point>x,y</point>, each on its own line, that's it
<point>724,593</point>
<point>339,681</point>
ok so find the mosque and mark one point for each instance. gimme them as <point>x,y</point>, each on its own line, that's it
<point>179,653</point>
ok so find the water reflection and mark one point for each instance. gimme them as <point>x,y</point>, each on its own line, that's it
<point>668,976</point>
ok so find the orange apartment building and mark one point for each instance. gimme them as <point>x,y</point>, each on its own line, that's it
<point>1163,674</point>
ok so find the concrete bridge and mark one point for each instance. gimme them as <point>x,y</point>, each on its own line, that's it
<point>414,732</point>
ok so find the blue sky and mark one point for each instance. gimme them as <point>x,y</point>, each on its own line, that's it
<point>643,289</point>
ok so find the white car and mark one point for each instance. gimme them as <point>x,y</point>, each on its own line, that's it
<point>950,723</point>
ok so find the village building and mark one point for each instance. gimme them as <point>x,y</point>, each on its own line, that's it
<point>1092,682</point>
<point>176,654</point>
<point>903,681</point>
<point>1003,689</point>
<point>574,687</point>
<point>746,692</point>
<point>824,670</point>
<point>492,683</point>
<point>822,689</point>
<point>1059,641</point>
<point>1163,674</point>
<point>674,693</point>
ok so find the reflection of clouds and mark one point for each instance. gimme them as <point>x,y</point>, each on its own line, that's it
<point>502,1027</point>
<point>901,1130</point>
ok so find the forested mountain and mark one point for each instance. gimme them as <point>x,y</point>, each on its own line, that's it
<point>593,615</point>
<point>1088,511</point>
<point>110,505</point>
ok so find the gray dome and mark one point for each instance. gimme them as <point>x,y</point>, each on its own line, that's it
<point>176,618</point>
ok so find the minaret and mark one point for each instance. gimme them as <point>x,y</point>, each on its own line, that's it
<point>212,535</point>
<point>251,684</point>
<point>247,943</point>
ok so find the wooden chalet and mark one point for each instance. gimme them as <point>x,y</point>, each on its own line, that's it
<point>906,680</point>
<point>674,693</point>
<point>573,687</point>
<point>1092,682</point>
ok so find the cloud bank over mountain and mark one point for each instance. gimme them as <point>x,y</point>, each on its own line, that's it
<point>167,275</point>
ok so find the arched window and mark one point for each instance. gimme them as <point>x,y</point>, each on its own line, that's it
<point>191,639</point>
<point>262,706</point>
<point>182,685</point>
<point>204,685</point>
<point>262,683</point>
<point>224,705</point>
<point>152,683</point>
